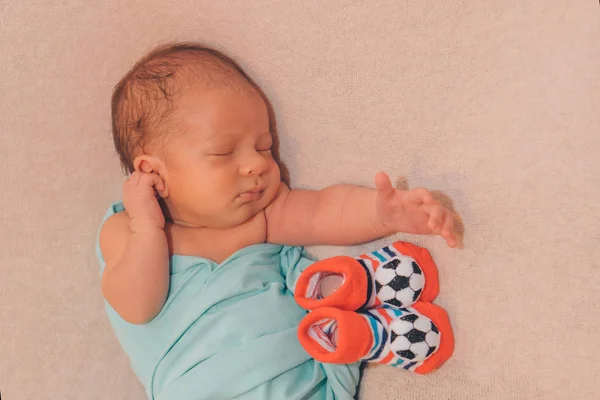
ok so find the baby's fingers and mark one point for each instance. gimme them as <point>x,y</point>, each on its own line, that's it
<point>159,185</point>
<point>148,182</point>
<point>448,230</point>
<point>420,196</point>
<point>436,218</point>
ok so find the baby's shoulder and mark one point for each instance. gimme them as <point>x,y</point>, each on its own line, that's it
<point>116,223</point>
<point>113,235</point>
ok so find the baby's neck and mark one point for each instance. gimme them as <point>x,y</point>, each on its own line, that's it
<point>184,224</point>
<point>174,221</point>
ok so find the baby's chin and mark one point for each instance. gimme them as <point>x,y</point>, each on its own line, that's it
<point>236,216</point>
<point>247,211</point>
<point>238,211</point>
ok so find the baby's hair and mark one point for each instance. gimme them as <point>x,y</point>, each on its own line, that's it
<point>142,101</point>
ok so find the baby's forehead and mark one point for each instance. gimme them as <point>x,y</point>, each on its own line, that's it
<point>222,117</point>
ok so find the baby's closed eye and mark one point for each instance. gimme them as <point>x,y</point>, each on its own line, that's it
<point>219,151</point>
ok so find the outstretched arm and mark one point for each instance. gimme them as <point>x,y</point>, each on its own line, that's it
<point>348,215</point>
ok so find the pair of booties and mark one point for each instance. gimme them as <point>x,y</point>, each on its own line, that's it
<point>381,312</point>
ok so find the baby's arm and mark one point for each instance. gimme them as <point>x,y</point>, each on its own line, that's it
<point>348,214</point>
<point>134,245</point>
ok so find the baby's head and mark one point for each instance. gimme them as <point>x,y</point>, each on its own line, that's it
<point>192,116</point>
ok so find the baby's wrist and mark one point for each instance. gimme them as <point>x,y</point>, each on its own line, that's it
<point>146,225</point>
<point>381,230</point>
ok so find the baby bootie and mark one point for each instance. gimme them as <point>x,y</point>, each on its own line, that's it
<point>418,339</point>
<point>396,276</point>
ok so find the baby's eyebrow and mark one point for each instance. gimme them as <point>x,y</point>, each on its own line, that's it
<point>226,135</point>
<point>216,139</point>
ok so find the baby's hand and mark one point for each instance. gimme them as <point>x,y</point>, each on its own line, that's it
<point>139,199</point>
<point>413,211</point>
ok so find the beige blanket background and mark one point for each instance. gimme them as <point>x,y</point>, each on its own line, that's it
<point>495,103</point>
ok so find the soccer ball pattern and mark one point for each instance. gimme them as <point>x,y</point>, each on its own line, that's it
<point>414,337</point>
<point>399,282</point>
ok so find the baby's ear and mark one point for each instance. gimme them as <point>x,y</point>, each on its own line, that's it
<point>149,164</point>
<point>153,165</point>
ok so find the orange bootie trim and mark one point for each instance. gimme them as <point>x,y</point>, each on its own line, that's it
<point>418,339</point>
<point>317,330</point>
<point>440,318</point>
<point>396,276</point>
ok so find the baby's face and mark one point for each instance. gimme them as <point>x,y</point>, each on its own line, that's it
<point>220,170</point>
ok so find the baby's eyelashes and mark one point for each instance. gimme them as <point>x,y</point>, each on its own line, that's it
<point>224,153</point>
<point>219,151</point>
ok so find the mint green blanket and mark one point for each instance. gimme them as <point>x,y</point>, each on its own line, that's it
<point>229,331</point>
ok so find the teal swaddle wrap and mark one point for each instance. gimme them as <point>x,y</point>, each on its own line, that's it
<point>229,331</point>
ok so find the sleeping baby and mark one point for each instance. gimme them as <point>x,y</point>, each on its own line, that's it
<point>206,282</point>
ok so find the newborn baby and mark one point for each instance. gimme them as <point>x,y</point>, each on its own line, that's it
<point>202,259</point>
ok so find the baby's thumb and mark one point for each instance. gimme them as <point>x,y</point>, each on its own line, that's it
<point>384,185</point>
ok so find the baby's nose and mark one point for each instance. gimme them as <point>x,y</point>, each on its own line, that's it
<point>254,165</point>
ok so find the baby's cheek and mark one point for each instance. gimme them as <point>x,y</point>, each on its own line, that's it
<point>274,168</point>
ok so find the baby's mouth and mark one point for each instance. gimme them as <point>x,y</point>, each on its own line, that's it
<point>253,194</point>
